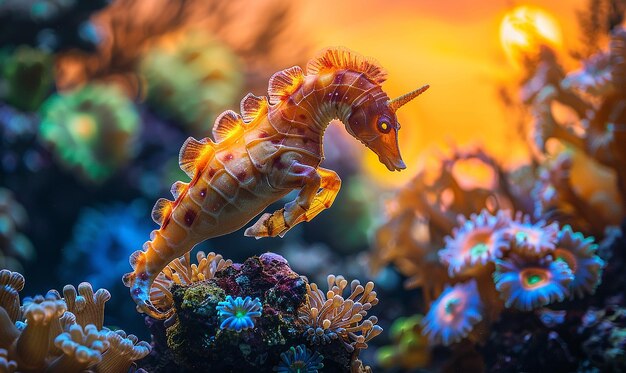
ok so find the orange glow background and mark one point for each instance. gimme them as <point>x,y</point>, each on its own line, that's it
<point>452,45</point>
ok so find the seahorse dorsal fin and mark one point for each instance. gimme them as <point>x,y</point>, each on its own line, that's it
<point>162,208</point>
<point>178,188</point>
<point>284,83</point>
<point>343,58</point>
<point>227,125</point>
<point>194,155</point>
<point>252,107</point>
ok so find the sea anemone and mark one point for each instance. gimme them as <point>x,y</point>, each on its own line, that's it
<point>6,364</point>
<point>527,282</point>
<point>181,272</point>
<point>87,306</point>
<point>477,241</point>
<point>452,316</point>
<point>330,316</point>
<point>538,238</point>
<point>239,313</point>
<point>81,347</point>
<point>44,335</point>
<point>92,129</point>
<point>300,359</point>
<point>579,254</point>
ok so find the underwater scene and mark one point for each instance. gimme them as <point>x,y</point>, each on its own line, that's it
<point>314,186</point>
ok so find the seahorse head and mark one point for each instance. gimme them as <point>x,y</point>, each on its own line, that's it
<point>375,124</point>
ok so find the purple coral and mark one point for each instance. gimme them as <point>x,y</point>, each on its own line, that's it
<point>578,252</point>
<point>477,241</point>
<point>527,282</point>
<point>453,315</point>
<point>538,238</point>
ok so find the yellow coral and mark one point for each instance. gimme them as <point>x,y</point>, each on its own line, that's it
<point>51,339</point>
<point>331,316</point>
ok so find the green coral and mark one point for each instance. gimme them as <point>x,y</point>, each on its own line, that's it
<point>26,77</point>
<point>92,129</point>
<point>193,81</point>
<point>409,349</point>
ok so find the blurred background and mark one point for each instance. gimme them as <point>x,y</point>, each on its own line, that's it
<point>96,98</point>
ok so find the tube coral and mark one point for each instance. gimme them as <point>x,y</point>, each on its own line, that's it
<point>239,313</point>
<point>475,242</point>
<point>331,316</point>
<point>453,315</point>
<point>527,282</point>
<point>578,252</point>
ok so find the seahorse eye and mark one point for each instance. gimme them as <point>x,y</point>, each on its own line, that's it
<point>383,125</point>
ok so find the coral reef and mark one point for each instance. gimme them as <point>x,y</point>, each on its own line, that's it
<point>589,142</point>
<point>208,79</point>
<point>243,316</point>
<point>426,210</point>
<point>409,349</point>
<point>55,334</point>
<point>91,130</point>
<point>132,28</point>
<point>14,246</point>
<point>604,332</point>
<point>536,268</point>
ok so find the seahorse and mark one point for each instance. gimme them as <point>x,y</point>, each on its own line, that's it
<point>258,157</point>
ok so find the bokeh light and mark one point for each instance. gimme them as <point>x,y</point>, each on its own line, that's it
<point>525,29</point>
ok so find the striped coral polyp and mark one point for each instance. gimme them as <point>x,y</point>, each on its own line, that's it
<point>477,241</point>
<point>538,238</point>
<point>453,315</point>
<point>528,282</point>
<point>579,253</point>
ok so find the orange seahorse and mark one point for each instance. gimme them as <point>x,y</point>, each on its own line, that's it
<point>272,148</point>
